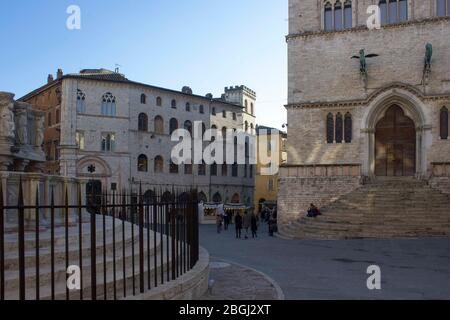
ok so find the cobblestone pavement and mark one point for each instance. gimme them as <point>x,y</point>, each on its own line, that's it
<point>234,282</point>
<point>410,269</point>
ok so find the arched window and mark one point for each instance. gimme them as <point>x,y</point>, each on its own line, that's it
<point>109,105</point>
<point>159,125</point>
<point>81,102</point>
<point>383,11</point>
<point>328,17</point>
<point>246,106</point>
<point>338,15</point>
<point>224,113</point>
<point>393,11</point>
<point>108,142</point>
<point>234,116</point>
<point>246,126</point>
<point>143,99</point>
<point>174,104</point>
<point>202,197</point>
<point>217,198</point>
<point>201,109</point>
<point>183,198</point>
<point>252,128</point>
<point>159,101</point>
<point>252,108</point>
<point>202,169</point>
<point>213,111</point>
<point>235,170</point>
<point>188,107</point>
<point>173,125</point>
<point>173,167</point>
<point>224,170</point>
<point>167,197</point>
<point>442,8</point>
<point>149,197</point>
<point>403,10</point>
<point>213,169</point>
<point>444,123</point>
<point>143,122</point>
<point>348,14</point>
<point>247,150</point>
<point>224,133</point>
<point>330,128</point>
<point>339,128</point>
<point>142,163</point>
<point>159,164</point>
<point>348,128</point>
<point>188,126</point>
<point>236,198</point>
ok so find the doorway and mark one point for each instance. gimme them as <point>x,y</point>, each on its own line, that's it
<point>395,144</point>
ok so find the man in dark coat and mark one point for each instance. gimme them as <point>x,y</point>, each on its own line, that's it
<point>238,224</point>
<point>254,226</point>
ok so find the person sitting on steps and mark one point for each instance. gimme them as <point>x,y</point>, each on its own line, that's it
<point>313,211</point>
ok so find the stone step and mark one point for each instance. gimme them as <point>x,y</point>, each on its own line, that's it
<point>12,261</point>
<point>60,285</point>
<point>11,239</point>
<point>388,207</point>
<point>12,277</point>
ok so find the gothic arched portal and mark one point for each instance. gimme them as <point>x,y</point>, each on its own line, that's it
<point>395,144</point>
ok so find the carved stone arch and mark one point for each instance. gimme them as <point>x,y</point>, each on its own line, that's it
<point>102,168</point>
<point>413,107</point>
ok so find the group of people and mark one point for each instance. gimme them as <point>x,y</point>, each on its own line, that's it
<point>247,222</point>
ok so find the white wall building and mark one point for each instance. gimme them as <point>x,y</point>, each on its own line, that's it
<point>123,128</point>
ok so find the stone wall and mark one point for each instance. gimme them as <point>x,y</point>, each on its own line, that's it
<point>440,179</point>
<point>299,186</point>
<point>307,15</point>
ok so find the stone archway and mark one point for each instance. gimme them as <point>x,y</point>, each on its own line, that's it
<point>395,144</point>
<point>412,108</point>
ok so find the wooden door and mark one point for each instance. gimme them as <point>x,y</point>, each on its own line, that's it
<point>395,144</point>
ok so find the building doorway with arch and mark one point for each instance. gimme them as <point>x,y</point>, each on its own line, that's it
<point>395,144</point>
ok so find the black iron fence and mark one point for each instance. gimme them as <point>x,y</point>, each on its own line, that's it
<point>121,244</point>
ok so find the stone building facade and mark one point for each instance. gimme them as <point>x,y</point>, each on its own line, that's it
<point>123,129</point>
<point>352,120</point>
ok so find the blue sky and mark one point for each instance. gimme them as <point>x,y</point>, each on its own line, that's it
<point>206,44</point>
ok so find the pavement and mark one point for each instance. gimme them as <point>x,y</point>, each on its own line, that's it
<point>411,269</point>
<point>236,282</point>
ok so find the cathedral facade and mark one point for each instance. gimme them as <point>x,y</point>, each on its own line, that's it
<point>365,103</point>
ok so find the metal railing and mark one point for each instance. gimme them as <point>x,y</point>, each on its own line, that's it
<point>136,243</point>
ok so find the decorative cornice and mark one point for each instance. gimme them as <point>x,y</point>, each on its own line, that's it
<point>363,28</point>
<point>370,98</point>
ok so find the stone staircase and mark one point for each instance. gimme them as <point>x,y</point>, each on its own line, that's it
<point>151,248</point>
<point>383,208</point>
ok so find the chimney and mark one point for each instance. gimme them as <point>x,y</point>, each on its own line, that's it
<point>59,74</point>
<point>50,78</point>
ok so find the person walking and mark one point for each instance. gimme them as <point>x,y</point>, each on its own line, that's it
<point>247,222</point>
<point>238,223</point>
<point>273,223</point>
<point>226,221</point>
<point>254,226</point>
<point>219,223</point>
